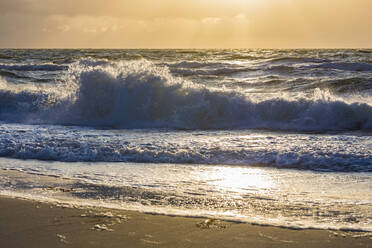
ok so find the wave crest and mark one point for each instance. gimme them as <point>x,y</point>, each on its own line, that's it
<point>139,94</point>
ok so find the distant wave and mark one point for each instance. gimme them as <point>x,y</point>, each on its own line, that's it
<point>244,57</point>
<point>365,51</point>
<point>17,75</point>
<point>214,71</point>
<point>281,68</point>
<point>353,84</point>
<point>296,60</point>
<point>34,67</point>
<point>115,56</point>
<point>345,66</point>
<point>4,56</point>
<point>194,64</point>
<point>189,68</point>
<point>10,74</point>
<point>139,94</point>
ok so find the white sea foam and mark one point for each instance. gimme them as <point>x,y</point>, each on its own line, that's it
<point>345,153</point>
<point>294,199</point>
<point>139,94</point>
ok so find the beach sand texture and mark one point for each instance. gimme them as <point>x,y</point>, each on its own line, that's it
<point>30,224</point>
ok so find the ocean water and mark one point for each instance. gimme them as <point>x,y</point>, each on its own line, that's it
<point>274,137</point>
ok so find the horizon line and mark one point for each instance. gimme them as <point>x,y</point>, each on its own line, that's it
<point>184,48</point>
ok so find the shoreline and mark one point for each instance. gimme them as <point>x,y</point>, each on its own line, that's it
<point>73,193</point>
<point>27,223</point>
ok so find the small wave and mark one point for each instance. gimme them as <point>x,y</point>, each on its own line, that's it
<point>211,72</point>
<point>244,57</point>
<point>365,51</point>
<point>296,60</point>
<point>118,56</point>
<point>362,67</point>
<point>10,74</point>
<point>139,94</point>
<point>61,61</point>
<point>281,68</point>
<point>34,67</point>
<point>24,78</point>
<point>313,154</point>
<point>189,68</point>
<point>194,64</point>
<point>346,85</point>
<point>3,56</point>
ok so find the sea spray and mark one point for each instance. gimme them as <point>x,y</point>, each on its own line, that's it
<point>140,94</point>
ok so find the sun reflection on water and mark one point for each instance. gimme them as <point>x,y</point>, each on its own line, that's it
<point>238,180</point>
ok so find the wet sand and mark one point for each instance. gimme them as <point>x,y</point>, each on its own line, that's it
<point>25,223</point>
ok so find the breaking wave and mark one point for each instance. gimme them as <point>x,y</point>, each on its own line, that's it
<point>92,148</point>
<point>139,94</point>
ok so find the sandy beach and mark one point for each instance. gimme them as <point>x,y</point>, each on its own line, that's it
<point>25,223</point>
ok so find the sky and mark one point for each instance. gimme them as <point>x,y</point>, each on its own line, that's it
<point>185,23</point>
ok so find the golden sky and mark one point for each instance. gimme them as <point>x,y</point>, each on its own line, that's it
<point>186,23</point>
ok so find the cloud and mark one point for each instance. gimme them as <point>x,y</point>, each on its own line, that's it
<point>212,20</point>
<point>143,9</point>
<point>185,23</point>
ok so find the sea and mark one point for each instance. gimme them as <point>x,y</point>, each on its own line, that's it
<point>268,137</point>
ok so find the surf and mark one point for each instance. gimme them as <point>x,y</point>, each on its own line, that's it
<point>141,94</point>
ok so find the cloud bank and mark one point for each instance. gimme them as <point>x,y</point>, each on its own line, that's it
<point>185,24</point>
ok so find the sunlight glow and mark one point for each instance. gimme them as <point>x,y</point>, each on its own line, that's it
<point>186,24</point>
<point>239,180</point>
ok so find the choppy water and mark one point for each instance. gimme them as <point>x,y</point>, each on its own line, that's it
<point>190,121</point>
